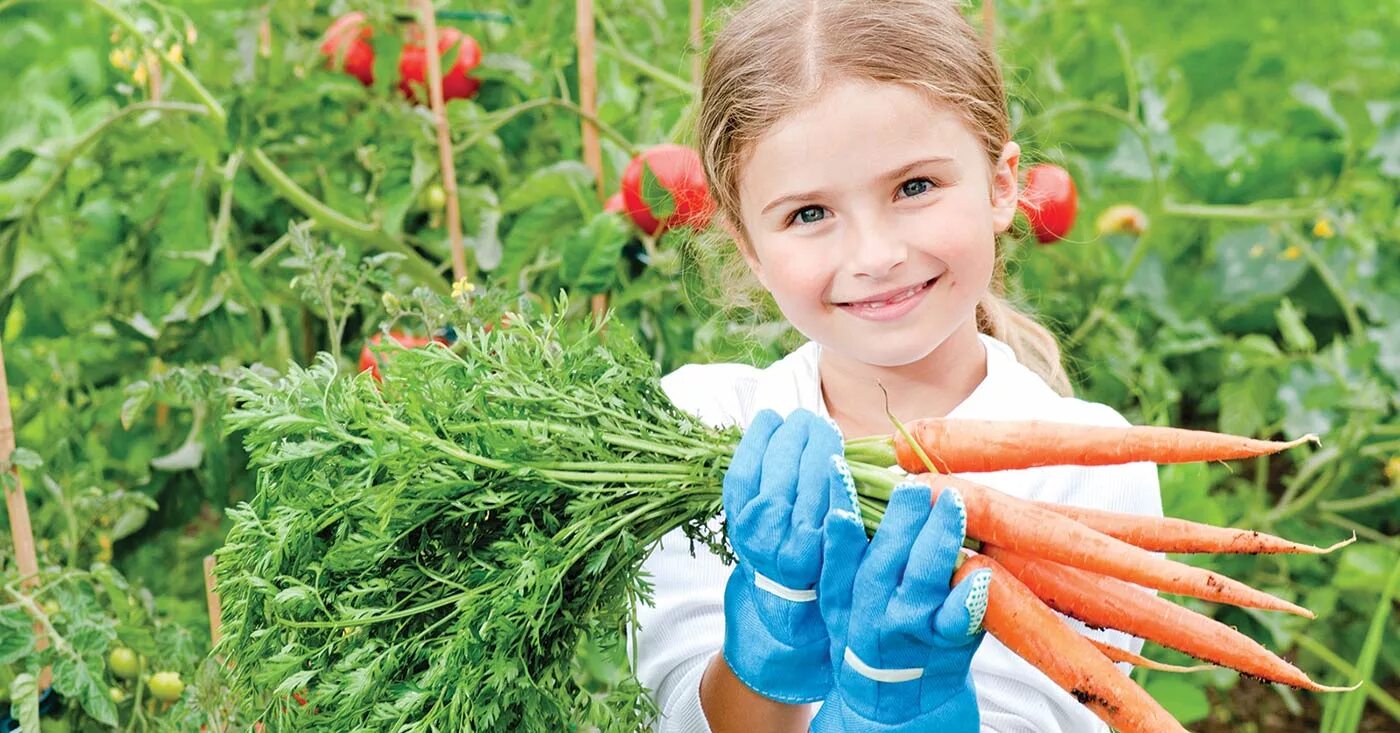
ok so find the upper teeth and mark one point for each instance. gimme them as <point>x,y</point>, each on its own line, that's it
<point>901,295</point>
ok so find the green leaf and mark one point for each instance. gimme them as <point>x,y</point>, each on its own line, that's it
<point>26,459</point>
<point>1363,567</point>
<point>590,256</point>
<point>15,161</point>
<point>24,698</point>
<point>1245,402</point>
<point>74,678</point>
<point>1252,264</point>
<point>561,180</point>
<point>17,639</point>
<point>1184,699</point>
<point>1295,333</point>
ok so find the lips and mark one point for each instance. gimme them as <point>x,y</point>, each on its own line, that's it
<point>890,296</point>
<point>890,305</point>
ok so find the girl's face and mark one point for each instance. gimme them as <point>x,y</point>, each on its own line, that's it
<point>871,217</point>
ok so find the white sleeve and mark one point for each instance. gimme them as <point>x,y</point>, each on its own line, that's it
<point>681,631</point>
<point>1012,695</point>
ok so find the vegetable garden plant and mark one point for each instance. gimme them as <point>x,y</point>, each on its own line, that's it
<point>190,188</point>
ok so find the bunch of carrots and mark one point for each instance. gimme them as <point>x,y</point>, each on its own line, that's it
<point>464,525</point>
<point>1087,563</point>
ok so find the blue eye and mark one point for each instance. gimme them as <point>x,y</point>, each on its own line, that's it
<point>809,215</point>
<point>915,186</point>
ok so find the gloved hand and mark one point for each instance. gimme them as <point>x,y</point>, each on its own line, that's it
<point>775,502</point>
<point>902,642</point>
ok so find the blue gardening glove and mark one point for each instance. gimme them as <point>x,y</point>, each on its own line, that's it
<point>901,640</point>
<point>775,502</point>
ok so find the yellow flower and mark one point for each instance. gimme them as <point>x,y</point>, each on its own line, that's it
<point>139,74</point>
<point>1392,469</point>
<point>191,35</point>
<point>1256,251</point>
<point>462,288</point>
<point>1293,252</point>
<point>176,55</point>
<point>121,58</point>
<point>1323,229</point>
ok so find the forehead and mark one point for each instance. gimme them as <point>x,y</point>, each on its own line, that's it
<point>851,131</point>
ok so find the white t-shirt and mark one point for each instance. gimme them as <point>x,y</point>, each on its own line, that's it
<point>683,627</point>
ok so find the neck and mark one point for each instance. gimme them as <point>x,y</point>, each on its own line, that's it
<point>929,387</point>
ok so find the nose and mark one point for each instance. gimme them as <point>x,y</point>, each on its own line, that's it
<point>875,250</point>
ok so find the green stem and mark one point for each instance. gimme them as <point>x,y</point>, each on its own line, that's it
<point>655,72</point>
<point>439,603</point>
<point>422,270</point>
<point>1379,696</point>
<point>181,71</point>
<point>1329,278</point>
<point>1237,213</point>
<point>1127,120</point>
<point>499,118</point>
<point>1361,502</point>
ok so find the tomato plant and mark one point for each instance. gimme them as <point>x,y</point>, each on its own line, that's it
<point>347,47</point>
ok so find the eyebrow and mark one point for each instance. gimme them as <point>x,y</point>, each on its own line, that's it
<point>896,173</point>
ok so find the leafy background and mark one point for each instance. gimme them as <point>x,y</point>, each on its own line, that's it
<point>149,247</point>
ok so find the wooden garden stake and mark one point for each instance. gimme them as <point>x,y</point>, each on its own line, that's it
<point>216,620</point>
<point>697,42</point>
<point>18,509</point>
<point>588,102</point>
<point>989,22</point>
<point>444,140</point>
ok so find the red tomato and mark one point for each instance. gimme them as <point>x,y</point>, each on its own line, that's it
<point>1049,202</point>
<point>615,204</point>
<point>368,360</point>
<point>349,35</point>
<point>679,171</point>
<point>413,66</point>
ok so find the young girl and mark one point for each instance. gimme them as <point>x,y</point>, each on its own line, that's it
<point>860,156</point>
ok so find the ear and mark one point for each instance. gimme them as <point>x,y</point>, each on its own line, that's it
<point>1005,188</point>
<point>745,249</point>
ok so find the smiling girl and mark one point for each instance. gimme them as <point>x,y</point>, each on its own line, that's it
<point>860,155</point>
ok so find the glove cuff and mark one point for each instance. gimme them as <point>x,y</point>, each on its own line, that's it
<point>958,715</point>
<point>786,658</point>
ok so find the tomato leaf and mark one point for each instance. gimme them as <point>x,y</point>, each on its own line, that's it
<point>17,641</point>
<point>75,678</point>
<point>560,180</point>
<point>24,696</point>
<point>590,257</point>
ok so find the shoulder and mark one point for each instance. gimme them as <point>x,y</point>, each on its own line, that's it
<point>725,394</point>
<point>1014,392</point>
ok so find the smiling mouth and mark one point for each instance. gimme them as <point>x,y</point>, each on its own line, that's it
<point>891,298</point>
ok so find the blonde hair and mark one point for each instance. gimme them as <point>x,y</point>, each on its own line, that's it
<point>773,56</point>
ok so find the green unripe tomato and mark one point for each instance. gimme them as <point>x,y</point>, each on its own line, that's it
<point>123,663</point>
<point>166,686</point>
<point>434,198</point>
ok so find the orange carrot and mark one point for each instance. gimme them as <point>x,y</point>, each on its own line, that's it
<point>960,446</point>
<point>1119,654</point>
<point>1168,534</point>
<point>1021,526</point>
<point>1108,603</point>
<point>1030,629</point>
